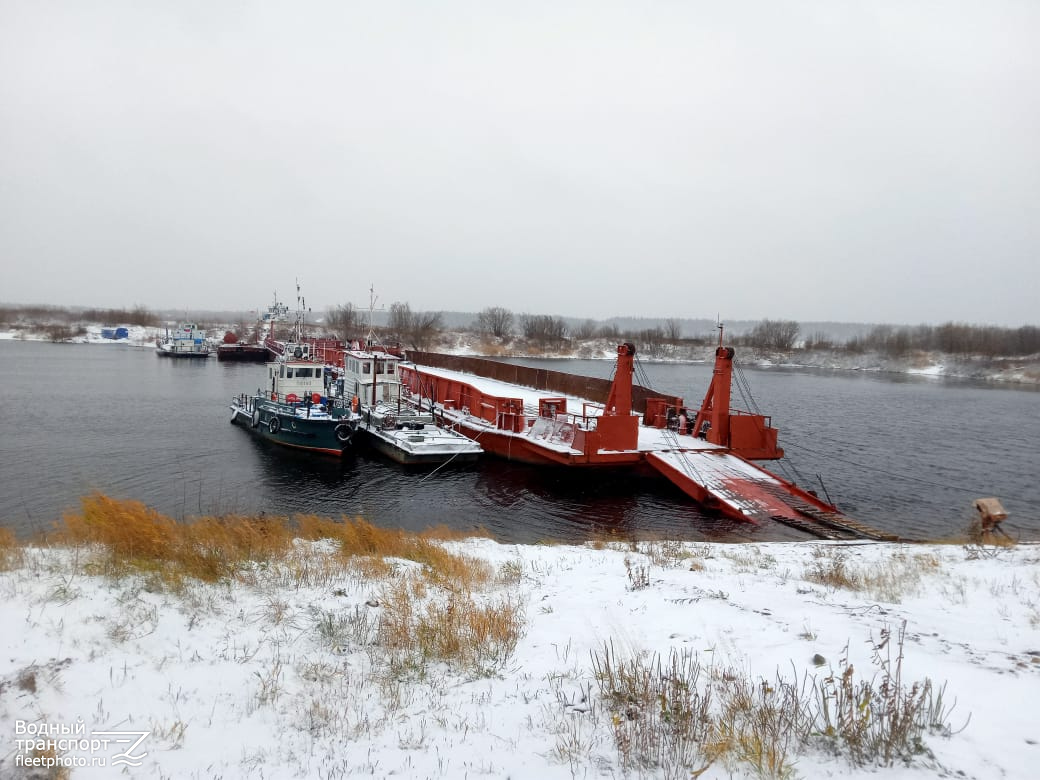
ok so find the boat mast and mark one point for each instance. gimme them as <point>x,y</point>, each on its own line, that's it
<point>301,316</point>
<point>371,336</point>
<point>371,309</point>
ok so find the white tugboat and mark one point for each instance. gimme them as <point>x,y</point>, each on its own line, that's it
<point>392,421</point>
<point>185,341</point>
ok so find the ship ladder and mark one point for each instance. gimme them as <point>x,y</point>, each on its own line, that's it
<point>823,523</point>
<point>840,521</point>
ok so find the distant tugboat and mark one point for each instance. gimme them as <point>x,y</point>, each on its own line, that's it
<point>185,341</point>
<point>233,349</point>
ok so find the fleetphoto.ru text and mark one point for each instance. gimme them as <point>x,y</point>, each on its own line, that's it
<point>45,745</point>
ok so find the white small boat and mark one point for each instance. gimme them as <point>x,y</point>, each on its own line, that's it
<point>393,422</point>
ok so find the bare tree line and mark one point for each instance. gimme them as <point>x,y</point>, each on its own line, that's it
<point>412,329</point>
<point>898,341</point>
<point>549,331</point>
<point>138,315</point>
<point>421,329</point>
<point>951,337</point>
<point>779,335</point>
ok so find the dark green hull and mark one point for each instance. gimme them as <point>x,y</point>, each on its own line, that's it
<point>290,426</point>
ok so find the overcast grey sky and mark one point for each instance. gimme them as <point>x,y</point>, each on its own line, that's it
<point>830,160</point>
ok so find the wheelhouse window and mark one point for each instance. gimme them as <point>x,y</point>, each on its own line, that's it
<point>366,367</point>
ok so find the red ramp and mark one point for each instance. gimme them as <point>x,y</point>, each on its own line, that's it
<point>738,488</point>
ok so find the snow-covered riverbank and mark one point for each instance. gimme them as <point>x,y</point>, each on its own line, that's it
<point>1018,370</point>
<point>287,670</point>
<point>138,336</point>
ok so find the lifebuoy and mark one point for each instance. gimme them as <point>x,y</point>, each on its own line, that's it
<point>343,433</point>
<point>274,425</point>
<point>292,398</point>
<point>256,417</point>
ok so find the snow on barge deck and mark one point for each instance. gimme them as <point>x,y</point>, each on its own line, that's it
<point>708,456</point>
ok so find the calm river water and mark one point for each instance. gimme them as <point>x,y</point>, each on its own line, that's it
<point>901,453</point>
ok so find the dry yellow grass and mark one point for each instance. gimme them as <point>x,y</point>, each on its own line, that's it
<point>359,538</point>
<point>10,550</point>
<point>133,536</point>
<point>831,568</point>
<point>680,715</point>
<point>459,629</point>
<point>889,579</point>
<point>51,772</point>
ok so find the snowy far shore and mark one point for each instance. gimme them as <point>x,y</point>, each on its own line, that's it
<point>1011,370</point>
<point>292,668</point>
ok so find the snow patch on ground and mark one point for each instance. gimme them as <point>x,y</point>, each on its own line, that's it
<point>269,677</point>
<point>138,336</point>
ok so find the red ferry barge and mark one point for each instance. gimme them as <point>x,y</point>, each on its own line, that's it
<point>709,455</point>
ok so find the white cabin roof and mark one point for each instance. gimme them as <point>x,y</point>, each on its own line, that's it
<point>364,354</point>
